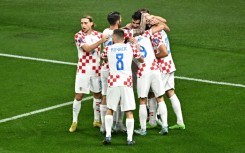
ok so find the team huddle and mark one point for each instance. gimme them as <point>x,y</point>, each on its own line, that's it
<point>135,56</point>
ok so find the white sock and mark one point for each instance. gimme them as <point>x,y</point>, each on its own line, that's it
<point>76,109</point>
<point>143,116</point>
<point>103,109</point>
<point>177,109</point>
<point>163,113</point>
<point>152,110</point>
<point>130,128</point>
<point>96,107</point>
<point>114,118</point>
<point>108,124</point>
<point>118,114</point>
<point>120,117</point>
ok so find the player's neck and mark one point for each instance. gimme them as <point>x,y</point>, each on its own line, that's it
<point>89,32</point>
<point>113,27</point>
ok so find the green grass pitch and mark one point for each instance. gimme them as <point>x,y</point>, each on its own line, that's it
<point>207,42</point>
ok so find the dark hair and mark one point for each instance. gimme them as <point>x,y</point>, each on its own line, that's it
<point>90,19</point>
<point>113,17</point>
<point>119,33</point>
<point>136,15</point>
<point>144,10</point>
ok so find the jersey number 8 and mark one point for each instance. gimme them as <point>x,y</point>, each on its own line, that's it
<point>119,64</point>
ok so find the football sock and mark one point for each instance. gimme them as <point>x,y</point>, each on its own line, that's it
<point>152,110</point>
<point>108,124</point>
<point>96,107</point>
<point>177,109</point>
<point>76,109</point>
<point>103,109</point>
<point>163,113</point>
<point>121,115</point>
<point>130,128</point>
<point>143,116</point>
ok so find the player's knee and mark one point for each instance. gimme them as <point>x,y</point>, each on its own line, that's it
<point>78,96</point>
<point>170,93</point>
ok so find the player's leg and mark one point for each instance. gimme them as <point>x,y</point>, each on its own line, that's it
<point>152,111</point>
<point>127,106</point>
<point>174,102</point>
<point>164,115</point>
<point>103,107</point>
<point>96,107</point>
<point>159,91</point>
<point>143,87</point>
<point>130,127</point>
<point>95,87</point>
<point>142,117</point>
<point>177,110</point>
<point>119,126</point>
<point>108,125</point>
<point>113,96</point>
<point>75,111</point>
<point>81,88</point>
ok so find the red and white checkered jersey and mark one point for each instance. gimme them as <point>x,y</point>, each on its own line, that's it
<point>89,63</point>
<point>147,52</point>
<point>166,64</point>
<point>120,58</point>
<point>156,40</point>
<point>128,33</point>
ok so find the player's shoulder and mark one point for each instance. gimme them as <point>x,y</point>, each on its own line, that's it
<point>163,33</point>
<point>107,31</point>
<point>79,34</point>
<point>97,34</point>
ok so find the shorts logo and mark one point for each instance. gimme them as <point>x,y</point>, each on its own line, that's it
<point>80,88</point>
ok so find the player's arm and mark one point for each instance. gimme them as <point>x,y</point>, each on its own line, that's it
<point>163,52</point>
<point>160,19</point>
<point>141,59</point>
<point>103,56</point>
<point>88,48</point>
<point>136,52</point>
<point>157,25</point>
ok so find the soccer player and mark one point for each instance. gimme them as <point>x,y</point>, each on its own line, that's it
<point>149,75</point>
<point>168,68</point>
<point>160,52</point>
<point>88,43</point>
<point>120,57</point>
<point>114,20</point>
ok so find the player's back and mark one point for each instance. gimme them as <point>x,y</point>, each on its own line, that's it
<point>120,57</point>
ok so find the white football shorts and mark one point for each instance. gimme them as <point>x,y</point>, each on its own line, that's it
<point>168,81</point>
<point>85,84</point>
<point>151,80</point>
<point>124,95</point>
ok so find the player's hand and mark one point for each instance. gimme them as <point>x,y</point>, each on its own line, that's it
<point>105,37</point>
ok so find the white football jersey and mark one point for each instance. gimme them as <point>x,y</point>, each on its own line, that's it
<point>120,58</point>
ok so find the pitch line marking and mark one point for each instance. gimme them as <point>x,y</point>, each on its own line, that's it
<point>41,110</point>
<point>69,63</point>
